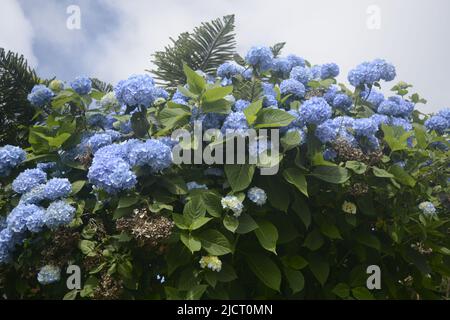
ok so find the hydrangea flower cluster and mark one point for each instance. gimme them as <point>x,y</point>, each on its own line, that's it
<point>257,195</point>
<point>293,87</point>
<point>234,204</point>
<point>427,208</point>
<point>228,70</point>
<point>396,106</point>
<point>260,58</point>
<point>49,274</point>
<point>192,185</point>
<point>29,214</point>
<point>138,90</point>
<point>315,111</point>
<point>112,165</point>
<point>211,262</point>
<point>40,95</point>
<point>10,157</point>
<point>368,73</point>
<point>81,85</point>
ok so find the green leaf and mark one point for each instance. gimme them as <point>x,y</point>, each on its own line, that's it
<point>173,116</point>
<point>367,239</point>
<point>295,262</point>
<point>300,207</point>
<point>295,279</point>
<point>356,166</point>
<point>362,293</point>
<point>71,295</point>
<point>272,118</point>
<point>127,201</point>
<point>230,223</point>
<point>196,292</point>
<point>217,93</point>
<point>336,175</point>
<point>381,173</point>
<point>402,176</point>
<point>265,269</point>
<point>329,230</point>
<point>239,176</point>
<point>342,290</point>
<point>252,110</point>
<point>212,202</point>
<point>192,243</point>
<point>215,243</point>
<point>195,82</point>
<point>319,267</point>
<point>125,269</point>
<point>291,139</point>
<point>297,178</point>
<point>175,184</point>
<point>246,224</point>
<point>221,106</point>
<point>396,137</point>
<point>267,235</point>
<point>275,188</point>
<point>77,186</point>
<point>199,222</point>
<point>87,246</point>
<point>314,240</point>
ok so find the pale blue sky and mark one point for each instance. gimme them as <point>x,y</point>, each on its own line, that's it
<point>117,37</point>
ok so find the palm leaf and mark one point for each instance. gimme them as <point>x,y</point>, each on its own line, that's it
<point>101,86</point>
<point>16,81</point>
<point>207,47</point>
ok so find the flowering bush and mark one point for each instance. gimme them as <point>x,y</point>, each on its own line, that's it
<point>362,180</point>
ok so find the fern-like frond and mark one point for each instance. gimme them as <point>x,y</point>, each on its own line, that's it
<point>16,81</point>
<point>101,86</point>
<point>247,90</point>
<point>207,47</point>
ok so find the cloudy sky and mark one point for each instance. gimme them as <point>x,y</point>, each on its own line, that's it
<point>117,37</point>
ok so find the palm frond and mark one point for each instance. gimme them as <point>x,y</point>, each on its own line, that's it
<point>16,81</point>
<point>276,49</point>
<point>101,86</point>
<point>208,46</point>
<point>247,90</point>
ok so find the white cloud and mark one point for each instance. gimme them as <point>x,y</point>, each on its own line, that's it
<point>16,31</point>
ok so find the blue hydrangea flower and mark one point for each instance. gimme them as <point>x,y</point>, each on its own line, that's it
<point>282,66</point>
<point>111,174</point>
<point>229,70</point>
<point>331,93</point>
<point>179,96</point>
<point>329,70</point>
<point>365,127</point>
<point>247,74</point>
<point>81,85</point>
<point>270,96</point>
<point>400,122</point>
<point>301,132</point>
<point>315,72</point>
<point>380,119</point>
<point>152,153</point>
<point>437,123</point>
<point>40,95</point>
<point>35,196</point>
<point>257,195</point>
<point>302,74</point>
<point>270,101</point>
<point>444,113</point>
<point>294,87</point>
<point>46,166</point>
<point>137,90</point>
<point>160,93</point>
<point>296,61</point>
<point>235,122</point>
<point>427,208</point>
<point>375,97</point>
<point>29,179</point>
<point>25,216</point>
<point>234,204</point>
<point>260,58</point>
<point>369,72</point>
<point>396,106</point>
<point>49,274</point>
<point>194,185</point>
<point>58,213</point>
<point>100,120</point>
<point>240,105</point>
<point>327,131</point>
<point>342,101</point>
<point>315,110</point>
<point>57,188</point>
<point>98,141</point>
<point>10,157</point>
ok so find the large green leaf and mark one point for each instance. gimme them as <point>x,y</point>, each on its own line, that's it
<point>335,175</point>
<point>267,235</point>
<point>320,267</point>
<point>297,178</point>
<point>272,118</point>
<point>265,269</point>
<point>239,175</point>
<point>215,243</point>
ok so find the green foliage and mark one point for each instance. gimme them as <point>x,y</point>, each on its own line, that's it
<point>208,46</point>
<point>16,81</point>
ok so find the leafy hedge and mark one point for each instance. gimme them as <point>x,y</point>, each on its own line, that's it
<point>362,181</point>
